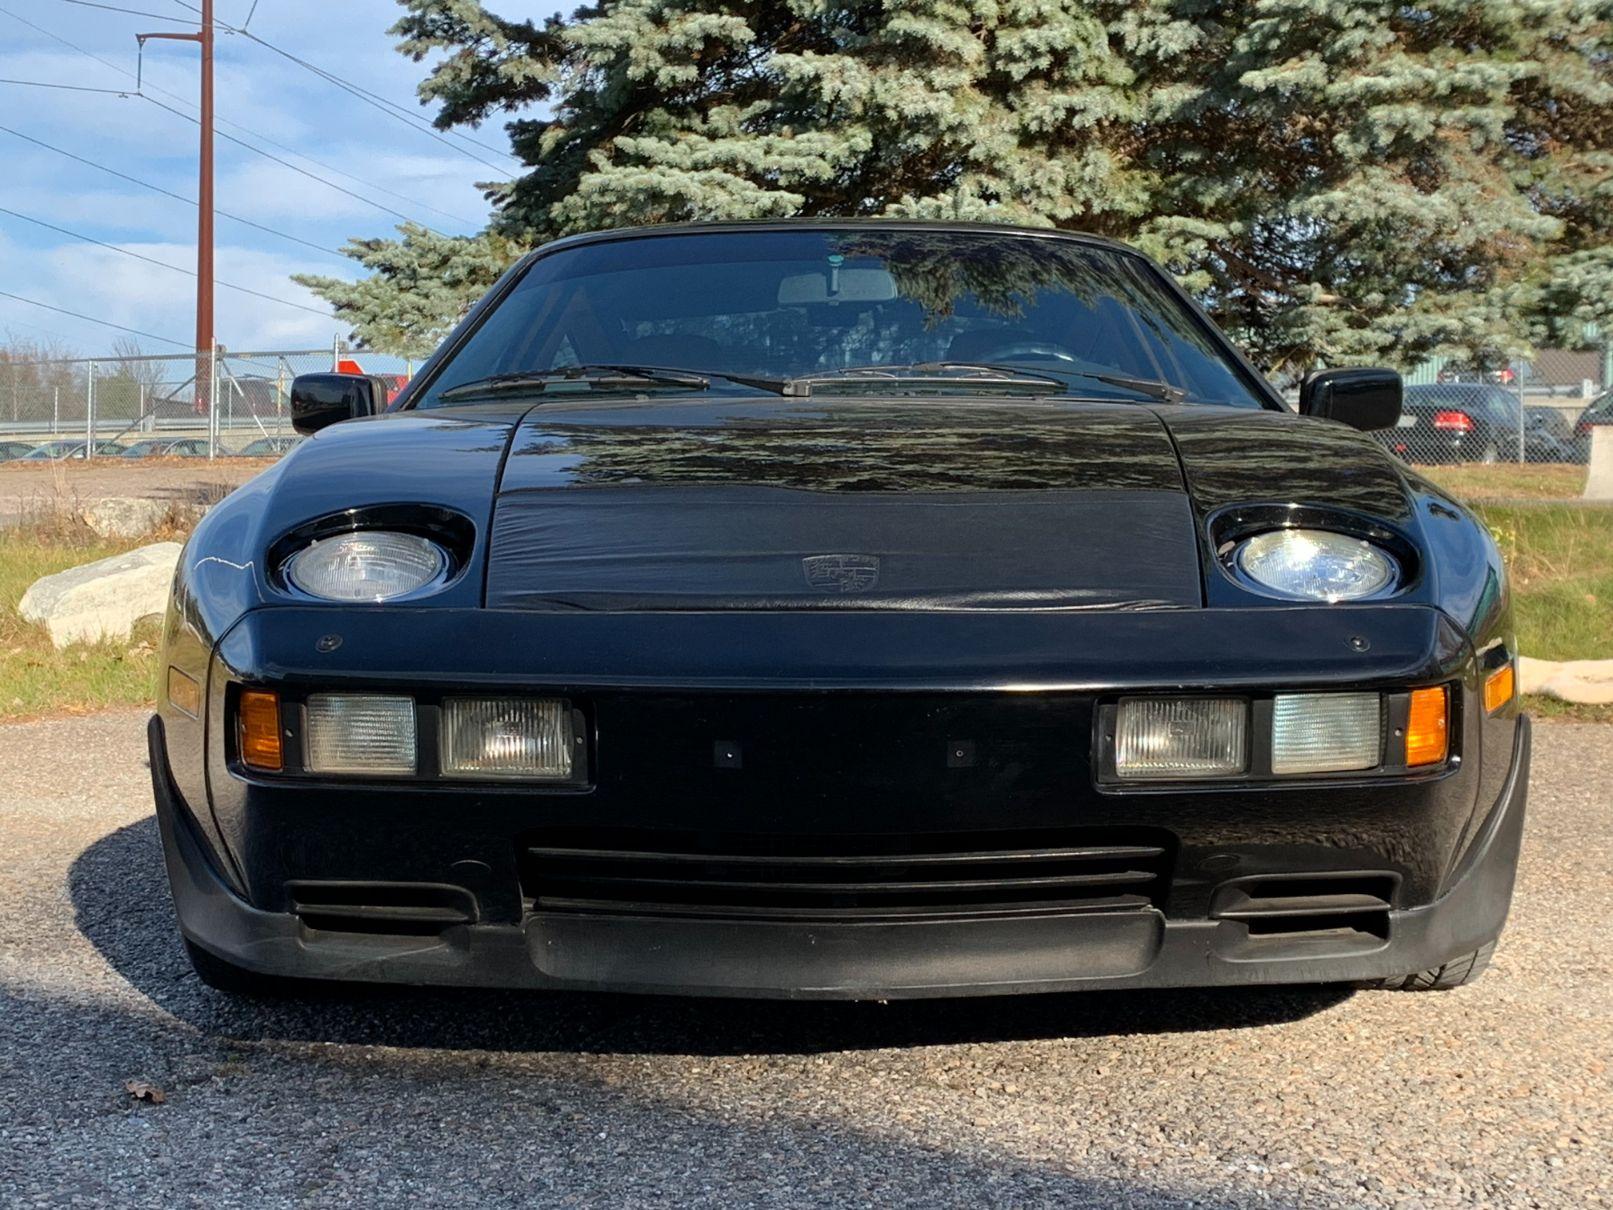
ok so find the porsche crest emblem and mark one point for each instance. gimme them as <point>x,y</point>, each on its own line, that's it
<point>841,573</point>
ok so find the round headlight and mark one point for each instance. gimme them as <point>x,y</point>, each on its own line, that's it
<point>370,565</point>
<point>1316,565</point>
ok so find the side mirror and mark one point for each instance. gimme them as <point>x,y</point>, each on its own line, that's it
<point>1362,399</point>
<point>321,400</point>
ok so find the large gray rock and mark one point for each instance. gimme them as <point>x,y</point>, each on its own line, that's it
<point>1588,682</point>
<point>125,516</point>
<point>104,599</point>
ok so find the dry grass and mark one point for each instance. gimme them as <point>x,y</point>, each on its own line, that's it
<point>36,678</point>
<point>1508,481</point>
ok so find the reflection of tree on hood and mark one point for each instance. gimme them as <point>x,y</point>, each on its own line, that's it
<point>975,446</point>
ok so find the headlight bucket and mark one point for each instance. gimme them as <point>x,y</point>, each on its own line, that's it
<point>435,545</point>
<point>1327,539</point>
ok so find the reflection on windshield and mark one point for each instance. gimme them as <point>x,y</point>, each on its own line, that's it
<point>793,304</point>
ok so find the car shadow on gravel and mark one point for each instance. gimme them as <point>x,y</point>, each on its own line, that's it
<point>120,898</point>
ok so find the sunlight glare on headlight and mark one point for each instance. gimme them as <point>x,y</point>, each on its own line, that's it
<point>1316,565</point>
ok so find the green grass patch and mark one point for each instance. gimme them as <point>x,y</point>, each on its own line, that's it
<point>35,678</point>
<point>1561,561</point>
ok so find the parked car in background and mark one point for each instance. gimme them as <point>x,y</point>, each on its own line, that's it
<point>14,449</point>
<point>168,447</point>
<point>1600,411</point>
<point>268,447</point>
<point>56,451</point>
<point>1548,435</point>
<point>1474,422</point>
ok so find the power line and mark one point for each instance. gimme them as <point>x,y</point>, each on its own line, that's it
<point>288,164</point>
<point>161,264</point>
<point>105,323</point>
<point>73,45</point>
<point>113,8</point>
<point>116,92</point>
<point>254,134</point>
<point>178,197</point>
<point>375,100</point>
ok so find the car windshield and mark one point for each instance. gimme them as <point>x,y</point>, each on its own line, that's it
<point>789,305</point>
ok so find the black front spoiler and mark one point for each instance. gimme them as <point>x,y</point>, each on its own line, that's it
<point>886,960</point>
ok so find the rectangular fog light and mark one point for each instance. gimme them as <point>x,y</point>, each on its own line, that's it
<point>1180,738</point>
<point>1326,732</point>
<point>528,738</point>
<point>360,733</point>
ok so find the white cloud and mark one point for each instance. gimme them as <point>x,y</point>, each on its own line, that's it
<point>121,290</point>
<point>255,88</point>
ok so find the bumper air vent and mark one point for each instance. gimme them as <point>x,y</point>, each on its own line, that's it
<point>853,878</point>
<point>1305,916</point>
<point>405,909</point>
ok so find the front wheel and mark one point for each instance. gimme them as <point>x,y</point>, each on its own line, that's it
<point>1456,973</point>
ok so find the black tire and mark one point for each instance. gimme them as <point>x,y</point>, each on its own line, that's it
<point>1456,973</point>
<point>226,976</point>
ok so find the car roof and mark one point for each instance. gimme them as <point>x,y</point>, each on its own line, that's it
<point>829,224</point>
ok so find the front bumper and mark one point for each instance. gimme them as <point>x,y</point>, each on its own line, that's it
<point>1023,952</point>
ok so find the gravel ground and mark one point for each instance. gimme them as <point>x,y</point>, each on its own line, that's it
<point>28,488</point>
<point>1498,1094</point>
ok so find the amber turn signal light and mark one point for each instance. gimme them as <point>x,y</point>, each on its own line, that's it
<point>1499,688</point>
<point>1428,727</point>
<point>258,717</point>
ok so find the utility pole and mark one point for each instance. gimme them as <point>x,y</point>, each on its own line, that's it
<point>203,37</point>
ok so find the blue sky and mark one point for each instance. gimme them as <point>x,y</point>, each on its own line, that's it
<point>384,159</point>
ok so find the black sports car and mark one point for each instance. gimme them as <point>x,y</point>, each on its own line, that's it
<point>840,610</point>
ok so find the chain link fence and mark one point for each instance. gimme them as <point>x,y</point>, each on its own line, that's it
<point>214,405</point>
<point>1539,411</point>
<point>1493,432</point>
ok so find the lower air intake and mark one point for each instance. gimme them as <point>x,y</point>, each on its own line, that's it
<point>1324,915</point>
<point>763,877</point>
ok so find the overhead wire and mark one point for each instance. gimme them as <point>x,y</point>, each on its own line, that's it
<point>105,323</point>
<point>252,133</point>
<point>178,197</point>
<point>374,99</point>
<point>115,8</point>
<point>162,264</point>
<point>116,92</point>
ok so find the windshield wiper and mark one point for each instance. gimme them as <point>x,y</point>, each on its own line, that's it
<point>930,373</point>
<point>1155,388</point>
<point>593,376</point>
<point>606,376</point>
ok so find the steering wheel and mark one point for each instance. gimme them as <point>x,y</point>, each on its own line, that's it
<point>1030,348</point>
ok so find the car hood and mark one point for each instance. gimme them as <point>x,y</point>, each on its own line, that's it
<point>735,503</point>
<point>785,504</point>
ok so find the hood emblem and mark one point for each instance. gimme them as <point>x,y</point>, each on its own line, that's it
<point>841,573</point>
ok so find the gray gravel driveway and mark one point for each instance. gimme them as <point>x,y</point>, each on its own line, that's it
<point>1495,1094</point>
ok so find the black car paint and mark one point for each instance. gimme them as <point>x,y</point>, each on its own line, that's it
<point>824,700</point>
